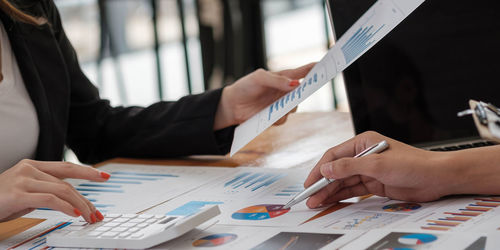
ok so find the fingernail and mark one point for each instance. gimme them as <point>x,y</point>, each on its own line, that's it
<point>99,215</point>
<point>294,83</point>
<point>326,170</point>
<point>105,175</point>
<point>77,212</point>
<point>92,218</point>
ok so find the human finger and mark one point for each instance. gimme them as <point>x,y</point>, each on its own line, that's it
<point>371,166</point>
<point>297,73</point>
<point>346,149</point>
<point>70,170</point>
<point>36,200</point>
<point>63,192</point>
<point>42,176</point>
<point>275,81</point>
<point>319,198</point>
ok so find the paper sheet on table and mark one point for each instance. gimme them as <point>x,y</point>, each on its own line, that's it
<point>240,237</point>
<point>134,188</point>
<point>464,214</point>
<point>375,24</point>
<point>249,196</point>
<point>395,239</point>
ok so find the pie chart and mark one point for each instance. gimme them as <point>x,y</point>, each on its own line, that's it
<point>417,239</point>
<point>214,240</point>
<point>260,212</point>
<point>401,207</point>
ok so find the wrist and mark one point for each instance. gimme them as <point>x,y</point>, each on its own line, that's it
<point>450,169</point>
<point>475,171</point>
<point>224,116</point>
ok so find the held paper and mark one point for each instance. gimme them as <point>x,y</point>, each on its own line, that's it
<point>375,24</point>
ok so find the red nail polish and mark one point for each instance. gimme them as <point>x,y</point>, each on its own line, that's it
<point>99,215</point>
<point>105,175</point>
<point>77,212</point>
<point>294,83</point>
<point>92,218</point>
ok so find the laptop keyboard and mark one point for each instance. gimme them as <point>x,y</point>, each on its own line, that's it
<point>464,146</point>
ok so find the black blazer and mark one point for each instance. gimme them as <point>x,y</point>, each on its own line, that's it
<point>70,111</point>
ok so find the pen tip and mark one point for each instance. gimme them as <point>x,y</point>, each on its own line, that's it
<point>287,206</point>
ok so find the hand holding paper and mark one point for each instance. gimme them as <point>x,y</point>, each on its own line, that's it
<point>375,24</point>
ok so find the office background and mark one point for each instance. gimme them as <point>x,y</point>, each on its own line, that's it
<point>225,39</point>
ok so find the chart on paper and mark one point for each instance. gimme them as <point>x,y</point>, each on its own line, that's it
<point>375,24</point>
<point>145,185</point>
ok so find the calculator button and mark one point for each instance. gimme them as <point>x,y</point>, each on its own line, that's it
<point>130,216</point>
<point>121,220</point>
<point>93,234</point>
<point>146,216</point>
<point>134,229</point>
<point>143,225</point>
<point>128,224</point>
<point>151,221</point>
<point>102,229</point>
<point>112,215</point>
<point>78,223</point>
<point>109,234</point>
<point>137,235</point>
<point>119,229</point>
<point>111,224</point>
<point>137,220</point>
<point>124,235</point>
<point>107,219</point>
<point>159,216</point>
<point>75,228</point>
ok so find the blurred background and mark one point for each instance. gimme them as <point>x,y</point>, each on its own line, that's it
<point>141,51</point>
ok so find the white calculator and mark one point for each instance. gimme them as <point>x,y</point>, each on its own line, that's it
<point>132,231</point>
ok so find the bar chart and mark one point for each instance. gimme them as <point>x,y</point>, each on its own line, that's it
<point>134,188</point>
<point>359,42</point>
<point>450,220</point>
<point>248,181</point>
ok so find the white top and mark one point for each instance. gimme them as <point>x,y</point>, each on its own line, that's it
<point>18,119</point>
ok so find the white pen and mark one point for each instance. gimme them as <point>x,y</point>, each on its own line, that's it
<point>314,188</point>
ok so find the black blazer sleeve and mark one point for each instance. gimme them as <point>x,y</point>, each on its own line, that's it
<point>96,131</point>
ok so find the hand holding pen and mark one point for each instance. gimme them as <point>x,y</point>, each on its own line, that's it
<point>314,188</point>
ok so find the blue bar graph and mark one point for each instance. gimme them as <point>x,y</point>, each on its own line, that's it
<point>191,208</point>
<point>99,185</point>
<point>253,181</point>
<point>359,42</point>
<point>89,194</point>
<point>142,174</point>
<point>290,190</point>
<point>99,190</point>
<point>103,205</point>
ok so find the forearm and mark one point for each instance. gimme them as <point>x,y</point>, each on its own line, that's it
<point>475,171</point>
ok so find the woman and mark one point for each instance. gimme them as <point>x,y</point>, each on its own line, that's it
<point>46,102</point>
<point>403,172</point>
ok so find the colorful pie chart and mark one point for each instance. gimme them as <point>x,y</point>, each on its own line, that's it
<point>401,207</point>
<point>417,239</point>
<point>214,240</point>
<point>260,212</point>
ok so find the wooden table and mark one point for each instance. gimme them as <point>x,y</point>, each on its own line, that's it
<point>300,142</point>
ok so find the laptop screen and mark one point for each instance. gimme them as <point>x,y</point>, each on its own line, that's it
<point>411,85</point>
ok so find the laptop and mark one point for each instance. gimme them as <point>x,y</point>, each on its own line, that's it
<point>411,85</point>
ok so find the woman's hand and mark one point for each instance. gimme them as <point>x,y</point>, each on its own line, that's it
<point>402,172</point>
<point>252,93</point>
<point>33,184</point>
